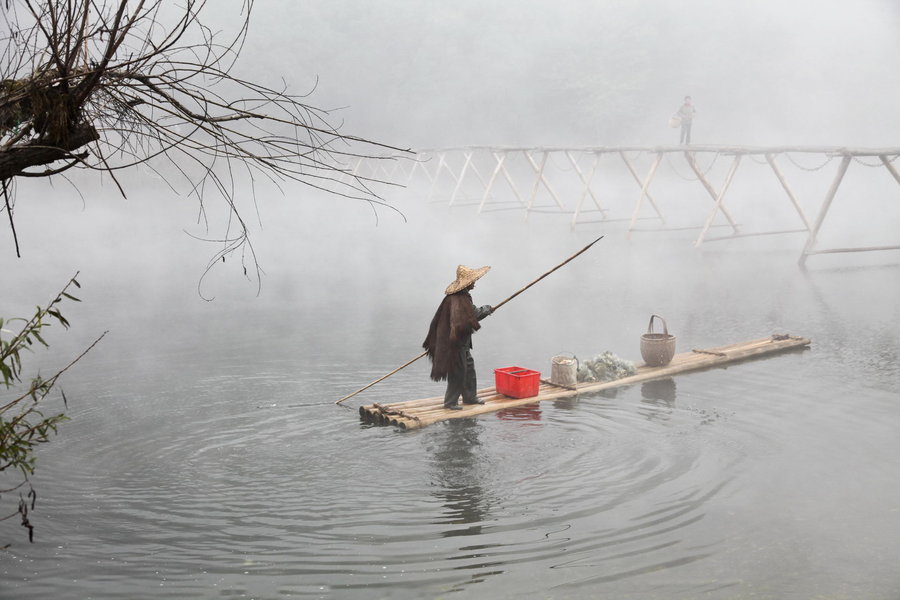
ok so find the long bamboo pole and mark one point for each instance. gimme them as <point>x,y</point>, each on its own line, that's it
<point>559,266</point>
<point>382,378</point>
<point>495,307</point>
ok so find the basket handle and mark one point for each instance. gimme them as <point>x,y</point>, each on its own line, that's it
<point>665,327</point>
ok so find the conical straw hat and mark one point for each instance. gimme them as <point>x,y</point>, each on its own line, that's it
<point>465,277</point>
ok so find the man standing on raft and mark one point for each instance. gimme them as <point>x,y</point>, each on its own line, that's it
<point>449,340</point>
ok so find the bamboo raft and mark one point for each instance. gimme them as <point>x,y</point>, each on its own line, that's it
<point>413,414</point>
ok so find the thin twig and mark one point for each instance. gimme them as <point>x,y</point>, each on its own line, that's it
<point>12,224</point>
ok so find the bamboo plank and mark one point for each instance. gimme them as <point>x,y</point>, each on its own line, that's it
<point>414,414</point>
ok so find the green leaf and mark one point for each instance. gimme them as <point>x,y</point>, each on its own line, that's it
<point>58,316</point>
<point>71,297</point>
<point>7,374</point>
<point>40,339</point>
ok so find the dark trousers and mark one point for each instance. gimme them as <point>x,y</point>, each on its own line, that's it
<point>685,132</point>
<point>462,381</point>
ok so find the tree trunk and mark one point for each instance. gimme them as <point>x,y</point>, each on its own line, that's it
<point>14,161</point>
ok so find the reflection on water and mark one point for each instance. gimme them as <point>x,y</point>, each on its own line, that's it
<point>455,456</point>
<point>528,414</point>
<point>659,392</point>
<point>568,403</point>
<point>658,398</point>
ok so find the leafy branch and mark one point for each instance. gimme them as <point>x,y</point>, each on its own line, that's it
<point>23,425</point>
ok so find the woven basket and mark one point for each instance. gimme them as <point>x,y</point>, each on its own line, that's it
<point>657,349</point>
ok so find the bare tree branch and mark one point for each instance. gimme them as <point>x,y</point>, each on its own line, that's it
<point>107,85</point>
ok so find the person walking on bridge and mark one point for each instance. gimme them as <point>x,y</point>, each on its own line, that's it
<point>449,340</point>
<point>686,115</point>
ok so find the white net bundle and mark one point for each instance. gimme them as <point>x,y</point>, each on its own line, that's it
<point>604,367</point>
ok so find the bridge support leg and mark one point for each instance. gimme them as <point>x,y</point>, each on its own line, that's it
<point>829,197</point>
<point>709,188</point>
<point>646,191</point>
<point>890,167</point>
<point>355,171</point>
<point>437,174</point>
<point>444,164</point>
<point>500,168</point>
<point>491,180</point>
<point>586,185</point>
<point>719,199</point>
<point>478,175</point>
<point>645,185</point>
<point>784,184</point>
<point>540,179</point>
<point>397,168</point>
<point>462,175</point>
<point>419,163</point>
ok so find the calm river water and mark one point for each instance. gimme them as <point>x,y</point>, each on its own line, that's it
<point>205,457</point>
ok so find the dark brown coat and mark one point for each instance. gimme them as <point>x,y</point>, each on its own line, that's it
<point>450,333</point>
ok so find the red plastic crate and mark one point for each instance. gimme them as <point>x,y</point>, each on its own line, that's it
<point>517,382</point>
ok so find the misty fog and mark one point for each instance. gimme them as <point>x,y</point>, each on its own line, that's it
<point>591,73</point>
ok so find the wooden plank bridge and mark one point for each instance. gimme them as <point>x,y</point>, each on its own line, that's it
<point>414,414</point>
<point>487,167</point>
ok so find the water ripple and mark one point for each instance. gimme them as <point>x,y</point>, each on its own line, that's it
<point>599,490</point>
